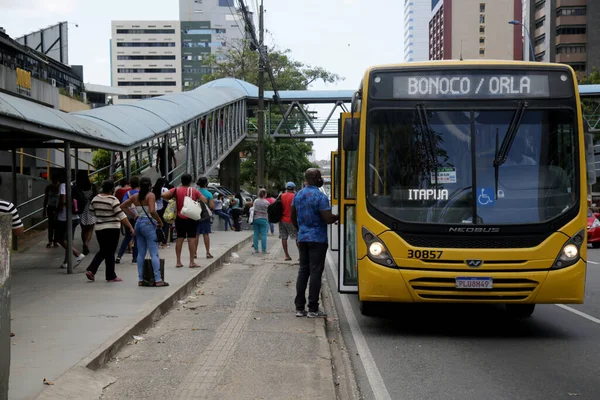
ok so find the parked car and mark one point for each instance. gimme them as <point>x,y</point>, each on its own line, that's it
<point>593,226</point>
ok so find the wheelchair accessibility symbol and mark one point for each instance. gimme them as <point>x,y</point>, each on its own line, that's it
<point>485,197</point>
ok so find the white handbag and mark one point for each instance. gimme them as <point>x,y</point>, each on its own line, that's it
<point>251,216</point>
<point>191,208</point>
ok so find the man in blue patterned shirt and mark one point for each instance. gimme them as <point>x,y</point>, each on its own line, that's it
<point>311,213</point>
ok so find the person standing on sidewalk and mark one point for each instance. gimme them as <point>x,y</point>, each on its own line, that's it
<point>6,207</point>
<point>260,220</point>
<point>161,206</point>
<point>271,199</point>
<point>135,188</point>
<point>186,228</point>
<point>109,217</point>
<point>51,199</point>
<point>87,218</point>
<point>286,227</point>
<point>61,226</point>
<point>146,225</point>
<point>203,227</point>
<point>311,213</point>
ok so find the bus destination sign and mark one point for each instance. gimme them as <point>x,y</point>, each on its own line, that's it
<point>482,84</point>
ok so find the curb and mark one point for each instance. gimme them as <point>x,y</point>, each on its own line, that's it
<point>99,357</point>
<point>102,354</point>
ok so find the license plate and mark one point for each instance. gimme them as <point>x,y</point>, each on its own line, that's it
<point>474,283</point>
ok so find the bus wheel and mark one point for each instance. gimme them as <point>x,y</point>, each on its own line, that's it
<point>520,310</point>
<point>367,308</point>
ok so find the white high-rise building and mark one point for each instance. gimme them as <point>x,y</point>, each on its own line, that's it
<point>416,29</point>
<point>145,58</point>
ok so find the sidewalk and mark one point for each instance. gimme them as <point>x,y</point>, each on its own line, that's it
<point>235,336</point>
<point>61,321</point>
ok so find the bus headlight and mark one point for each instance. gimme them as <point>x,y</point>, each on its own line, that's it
<point>569,254</point>
<point>376,250</point>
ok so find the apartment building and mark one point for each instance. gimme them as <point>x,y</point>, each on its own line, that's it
<point>207,27</point>
<point>474,29</point>
<point>561,31</point>
<point>416,30</point>
<point>145,59</point>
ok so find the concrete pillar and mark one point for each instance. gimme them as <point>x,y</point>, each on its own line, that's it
<point>5,245</point>
<point>229,173</point>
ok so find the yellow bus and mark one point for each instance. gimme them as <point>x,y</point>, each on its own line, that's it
<point>463,182</point>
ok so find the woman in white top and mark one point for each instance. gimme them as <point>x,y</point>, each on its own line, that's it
<point>146,225</point>
<point>108,218</point>
<point>260,221</point>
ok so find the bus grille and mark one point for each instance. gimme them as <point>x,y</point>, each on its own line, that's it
<point>473,242</point>
<point>445,289</point>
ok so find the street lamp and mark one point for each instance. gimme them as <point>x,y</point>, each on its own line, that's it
<point>515,22</point>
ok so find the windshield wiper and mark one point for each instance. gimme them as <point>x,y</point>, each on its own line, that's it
<point>509,138</point>
<point>430,144</point>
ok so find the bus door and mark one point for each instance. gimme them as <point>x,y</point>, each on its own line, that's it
<point>347,231</point>
<point>334,240</point>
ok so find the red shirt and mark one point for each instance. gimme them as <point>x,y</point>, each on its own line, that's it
<point>120,193</point>
<point>286,202</point>
<point>180,193</point>
<point>270,200</point>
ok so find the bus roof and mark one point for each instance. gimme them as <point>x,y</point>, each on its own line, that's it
<point>475,62</point>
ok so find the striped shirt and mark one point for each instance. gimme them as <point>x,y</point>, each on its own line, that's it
<point>7,207</point>
<point>108,212</point>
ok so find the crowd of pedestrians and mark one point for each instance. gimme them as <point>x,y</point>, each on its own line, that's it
<point>136,210</point>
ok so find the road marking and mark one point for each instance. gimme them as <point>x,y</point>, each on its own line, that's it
<point>581,314</point>
<point>593,262</point>
<point>375,380</point>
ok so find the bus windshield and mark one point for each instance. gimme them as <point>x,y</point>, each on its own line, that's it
<point>437,166</point>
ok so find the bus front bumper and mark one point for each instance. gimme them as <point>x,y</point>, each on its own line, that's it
<point>379,283</point>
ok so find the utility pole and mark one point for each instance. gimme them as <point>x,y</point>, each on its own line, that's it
<point>260,159</point>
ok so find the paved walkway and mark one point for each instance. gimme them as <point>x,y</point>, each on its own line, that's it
<point>61,321</point>
<point>235,336</point>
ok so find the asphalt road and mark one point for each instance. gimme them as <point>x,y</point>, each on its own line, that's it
<point>431,352</point>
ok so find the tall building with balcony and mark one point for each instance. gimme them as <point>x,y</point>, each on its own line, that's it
<point>416,30</point>
<point>208,27</point>
<point>145,59</point>
<point>561,32</point>
<point>475,29</point>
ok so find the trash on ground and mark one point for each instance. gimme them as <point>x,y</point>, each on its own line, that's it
<point>47,382</point>
<point>235,255</point>
<point>138,338</point>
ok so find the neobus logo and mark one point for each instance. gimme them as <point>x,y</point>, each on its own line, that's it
<point>474,230</point>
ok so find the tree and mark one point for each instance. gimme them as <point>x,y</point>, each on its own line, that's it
<point>285,159</point>
<point>591,107</point>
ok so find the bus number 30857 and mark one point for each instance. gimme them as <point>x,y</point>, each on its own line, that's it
<point>425,254</point>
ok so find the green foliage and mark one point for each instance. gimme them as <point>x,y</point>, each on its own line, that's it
<point>285,160</point>
<point>591,79</point>
<point>241,62</point>
<point>101,159</point>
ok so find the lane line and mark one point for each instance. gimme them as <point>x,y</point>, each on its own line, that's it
<point>593,262</point>
<point>581,314</point>
<point>375,380</point>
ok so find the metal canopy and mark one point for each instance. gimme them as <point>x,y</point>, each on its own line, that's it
<point>123,127</point>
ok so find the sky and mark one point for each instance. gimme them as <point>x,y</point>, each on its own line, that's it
<point>343,36</point>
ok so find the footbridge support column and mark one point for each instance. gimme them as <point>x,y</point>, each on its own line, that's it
<point>229,172</point>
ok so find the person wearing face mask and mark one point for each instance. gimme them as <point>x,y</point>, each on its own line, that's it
<point>311,212</point>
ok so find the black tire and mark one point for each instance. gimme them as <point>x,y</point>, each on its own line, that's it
<point>596,245</point>
<point>367,308</point>
<point>520,310</point>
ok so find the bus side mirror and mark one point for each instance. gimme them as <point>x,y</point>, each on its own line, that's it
<point>351,131</point>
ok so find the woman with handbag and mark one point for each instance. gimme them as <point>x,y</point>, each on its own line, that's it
<point>185,226</point>
<point>147,225</point>
<point>161,205</point>
<point>109,217</point>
